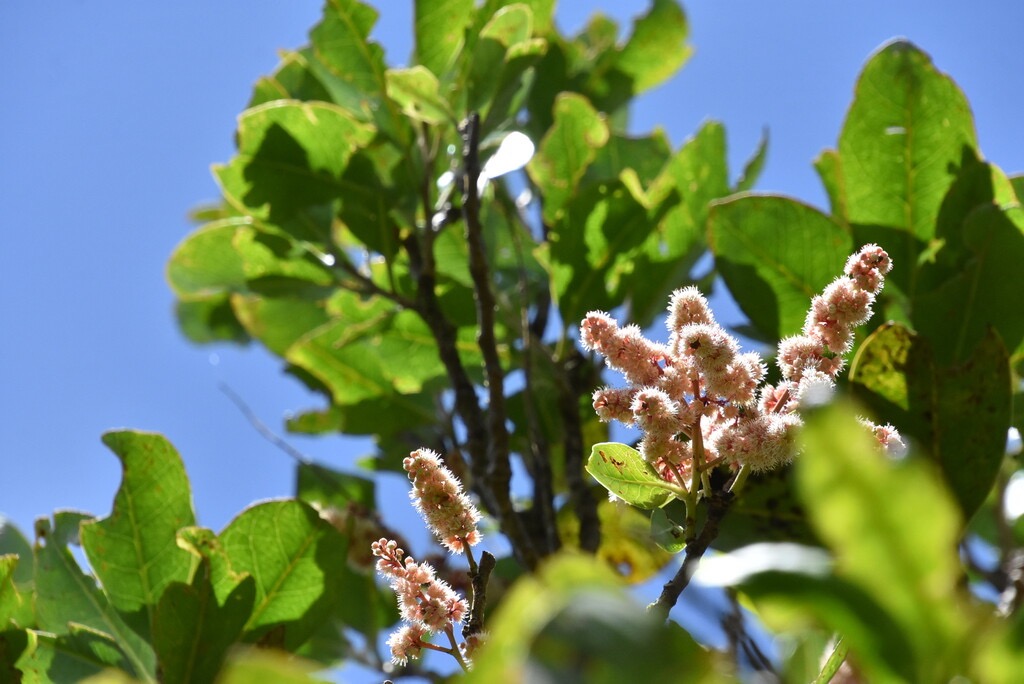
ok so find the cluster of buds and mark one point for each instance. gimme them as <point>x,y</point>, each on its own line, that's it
<point>437,494</point>
<point>427,603</point>
<point>699,401</point>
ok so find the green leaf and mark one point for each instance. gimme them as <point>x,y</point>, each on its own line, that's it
<point>573,622</point>
<point>1017,181</point>
<point>278,322</point>
<point>699,174</point>
<point>768,511</point>
<point>657,47</point>
<point>65,594</point>
<point>295,558</point>
<point>71,657</point>
<point>293,79</point>
<point>380,415</point>
<point>209,319</point>
<point>902,141</point>
<point>439,28</point>
<point>354,66</point>
<point>591,250</point>
<point>15,606</point>
<point>13,644</point>
<point>267,666</point>
<point>566,151</point>
<point>879,644</point>
<point>13,541</point>
<point>695,176</point>
<point>625,473</point>
<point>206,263</point>
<point>829,170</point>
<point>496,77</point>
<point>133,551</point>
<point>894,529</point>
<point>958,415</point>
<point>341,41</point>
<point>666,533</point>
<point>291,155</point>
<point>315,483</point>
<point>369,351</point>
<point>418,93</point>
<point>984,292</point>
<point>193,629</point>
<point>775,254</point>
<point>754,166</point>
<point>231,255</point>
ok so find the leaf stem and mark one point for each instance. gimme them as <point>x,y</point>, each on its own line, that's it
<point>834,662</point>
<point>455,652</point>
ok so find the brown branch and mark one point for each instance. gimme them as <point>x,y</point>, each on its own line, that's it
<point>478,582</point>
<point>696,546</point>
<point>499,469</point>
<point>570,387</point>
<point>544,524</point>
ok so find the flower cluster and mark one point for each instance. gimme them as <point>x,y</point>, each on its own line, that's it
<point>697,398</point>
<point>437,494</point>
<point>427,604</point>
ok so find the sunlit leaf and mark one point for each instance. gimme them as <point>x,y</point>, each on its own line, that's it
<point>657,47</point>
<point>66,595</point>
<point>295,558</point>
<point>15,606</point>
<point>293,79</point>
<point>267,666</point>
<point>786,601</point>
<point>72,657</point>
<point>754,166</point>
<point>417,92</point>
<point>12,541</point>
<point>902,141</point>
<point>957,415</point>
<point>984,293</point>
<point>566,151</point>
<point>439,29</point>
<point>572,622</point>
<point>291,155</point>
<point>894,530</point>
<point>133,551</point>
<point>775,254</point>
<point>625,473</point>
<point>209,319</point>
<point>193,630</point>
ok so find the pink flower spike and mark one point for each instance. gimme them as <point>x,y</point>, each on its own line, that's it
<point>407,643</point>
<point>687,306</point>
<point>614,404</point>
<point>868,267</point>
<point>438,496</point>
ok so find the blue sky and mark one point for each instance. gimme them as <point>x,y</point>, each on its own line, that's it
<point>113,111</point>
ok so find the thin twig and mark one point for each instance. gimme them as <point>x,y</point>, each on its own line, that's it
<point>499,468</point>
<point>262,428</point>
<point>539,455</point>
<point>580,495</point>
<point>718,506</point>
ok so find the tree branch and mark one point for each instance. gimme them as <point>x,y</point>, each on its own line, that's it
<point>570,387</point>
<point>499,469</point>
<point>696,545</point>
<point>478,581</point>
